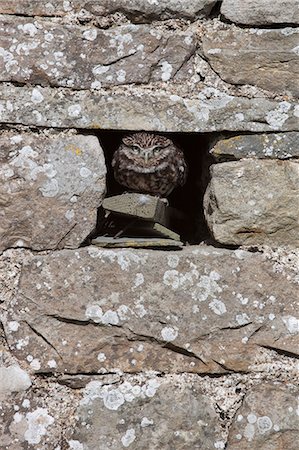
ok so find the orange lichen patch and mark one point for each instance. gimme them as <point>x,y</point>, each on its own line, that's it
<point>72,148</point>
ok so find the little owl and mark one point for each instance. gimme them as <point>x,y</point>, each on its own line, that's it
<point>150,164</point>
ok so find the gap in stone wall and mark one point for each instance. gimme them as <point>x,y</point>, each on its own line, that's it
<point>189,198</point>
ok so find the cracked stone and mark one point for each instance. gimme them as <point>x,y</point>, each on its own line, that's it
<point>260,57</point>
<point>261,146</point>
<point>51,187</point>
<point>45,53</point>
<point>97,311</point>
<point>265,12</point>
<point>254,202</point>
<point>267,419</point>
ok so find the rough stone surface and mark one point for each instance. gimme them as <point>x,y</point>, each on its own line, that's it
<point>143,413</point>
<point>51,186</point>
<point>137,10</point>
<point>192,315</point>
<point>261,57</point>
<point>46,53</point>
<point>267,419</point>
<point>254,202</point>
<point>261,146</point>
<point>261,12</point>
<point>37,418</point>
<point>130,109</point>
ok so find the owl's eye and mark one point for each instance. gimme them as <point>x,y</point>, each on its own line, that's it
<point>135,150</point>
<point>157,150</point>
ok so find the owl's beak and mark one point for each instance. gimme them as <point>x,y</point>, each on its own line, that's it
<point>147,154</point>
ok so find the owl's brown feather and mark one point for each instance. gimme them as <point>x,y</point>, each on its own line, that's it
<point>149,163</point>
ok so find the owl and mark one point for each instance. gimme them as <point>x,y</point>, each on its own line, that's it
<point>150,164</point>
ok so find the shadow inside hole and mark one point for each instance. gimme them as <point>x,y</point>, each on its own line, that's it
<point>188,198</point>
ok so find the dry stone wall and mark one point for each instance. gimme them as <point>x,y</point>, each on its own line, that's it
<point>149,349</point>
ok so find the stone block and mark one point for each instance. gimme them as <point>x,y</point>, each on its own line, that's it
<point>254,202</point>
<point>42,52</point>
<point>51,186</point>
<point>200,310</point>
<point>265,58</point>
<point>260,146</point>
<point>146,413</point>
<point>136,10</point>
<point>267,419</point>
<point>265,12</point>
<point>133,109</point>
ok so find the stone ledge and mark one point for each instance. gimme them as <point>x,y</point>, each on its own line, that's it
<point>138,109</point>
<point>259,146</point>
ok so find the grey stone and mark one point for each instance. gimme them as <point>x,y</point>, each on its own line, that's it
<point>261,146</point>
<point>46,53</point>
<point>137,10</point>
<point>13,379</point>
<point>95,310</point>
<point>36,418</point>
<point>51,186</point>
<point>133,109</point>
<point>254,202</point>
<point>267,419</point>
<point>261,57</point>
<point>146,413</point>
<point>265,12</point>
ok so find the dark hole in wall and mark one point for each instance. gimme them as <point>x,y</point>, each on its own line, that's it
<point>188,198</point>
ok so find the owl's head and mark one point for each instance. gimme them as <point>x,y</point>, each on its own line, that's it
<point>146,148</point>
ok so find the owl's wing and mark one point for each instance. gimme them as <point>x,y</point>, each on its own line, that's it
<point>182,168</point>
<point>115,159</point>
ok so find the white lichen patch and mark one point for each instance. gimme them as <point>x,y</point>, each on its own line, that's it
<point>95,313</point>
<point>166,70</point>
<point>74,110</point>
<point>277,117</point>
<point>75,445</point>
<point>145,422</point>
<point>91,34</point>
<point>128,438</point>
<point>217,306</point>
<point>292,324</point>
<point>169,334</point>
<point>173,261</point>
<point>13,379</point>
<point>206,287</point>
<point>114,397</point>
<point>37,422</point>
<point>37,96</point>
<point>124,258</point>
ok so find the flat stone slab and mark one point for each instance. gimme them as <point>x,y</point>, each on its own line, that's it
<point>137,10</point>
<point>261,146</point>
<point>42,52</point>
<point>267,419</point>
<point>200,310</point>
<point>141,206</point>
<point>50,189</point>
<point>127,242</point>
<point>265,12</point>
<point>254,202</point>
<point>211,110</point>
<point>260,57</point>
